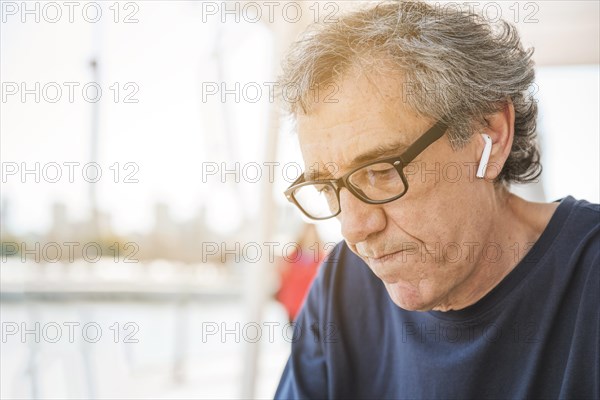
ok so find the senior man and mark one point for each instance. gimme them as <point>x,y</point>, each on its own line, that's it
<point>412,123</point>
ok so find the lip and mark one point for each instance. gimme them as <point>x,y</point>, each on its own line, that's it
<point>386,257</point>
<point>386,267</point>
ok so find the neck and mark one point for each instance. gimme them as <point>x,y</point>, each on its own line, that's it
<point>517,225</point>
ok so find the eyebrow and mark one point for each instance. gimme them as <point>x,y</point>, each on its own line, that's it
<point>380,151</point>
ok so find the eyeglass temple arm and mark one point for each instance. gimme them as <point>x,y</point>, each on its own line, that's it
<point>433,134</point>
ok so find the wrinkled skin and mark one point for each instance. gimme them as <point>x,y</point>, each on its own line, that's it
<point>447,242</point>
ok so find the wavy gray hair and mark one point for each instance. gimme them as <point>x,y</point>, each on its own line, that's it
<point>454,63</point>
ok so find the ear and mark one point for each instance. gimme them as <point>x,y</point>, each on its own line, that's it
<point>501,128</point>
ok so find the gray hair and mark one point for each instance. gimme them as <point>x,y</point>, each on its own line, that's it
<point>454,63</point>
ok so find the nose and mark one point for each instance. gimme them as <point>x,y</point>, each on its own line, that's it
<point>359,219</point>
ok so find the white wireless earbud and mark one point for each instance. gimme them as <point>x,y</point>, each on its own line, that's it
<point>485,156</point>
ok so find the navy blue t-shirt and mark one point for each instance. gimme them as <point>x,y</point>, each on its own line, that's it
<point>535,335</point>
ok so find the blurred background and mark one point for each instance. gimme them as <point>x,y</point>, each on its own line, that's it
<point>147,248</point>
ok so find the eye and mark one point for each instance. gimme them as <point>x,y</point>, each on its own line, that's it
<point>374,175</point>
<point>381,172</point>
<point>323,189</point>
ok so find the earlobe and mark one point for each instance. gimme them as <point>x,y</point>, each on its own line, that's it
<point>485,156</point>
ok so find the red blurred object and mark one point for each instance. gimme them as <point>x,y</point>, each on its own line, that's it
<point>297,271</point>
<point>296,278</point>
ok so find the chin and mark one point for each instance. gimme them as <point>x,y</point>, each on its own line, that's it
<point>408,297</point>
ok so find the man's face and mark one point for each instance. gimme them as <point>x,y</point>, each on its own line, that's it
<point>425,245</point>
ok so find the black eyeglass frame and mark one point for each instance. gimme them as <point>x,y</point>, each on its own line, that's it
<point>399,162</point>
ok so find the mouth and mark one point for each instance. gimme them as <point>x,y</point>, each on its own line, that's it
<point>386,267</point>
<point>388,260</point>
<point>386,257</point>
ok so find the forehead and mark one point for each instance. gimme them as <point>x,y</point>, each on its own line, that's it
<point>366,112</point>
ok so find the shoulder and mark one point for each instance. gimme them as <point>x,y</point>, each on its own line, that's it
<point>574,226</point>
<point>583,216</point>
<point>578,237</point>
<point>572,256</point>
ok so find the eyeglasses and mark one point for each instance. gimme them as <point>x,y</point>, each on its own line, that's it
<point>375,182</point>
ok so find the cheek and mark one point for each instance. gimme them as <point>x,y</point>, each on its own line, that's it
<point>442,201</point>
<point>427,219</point>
